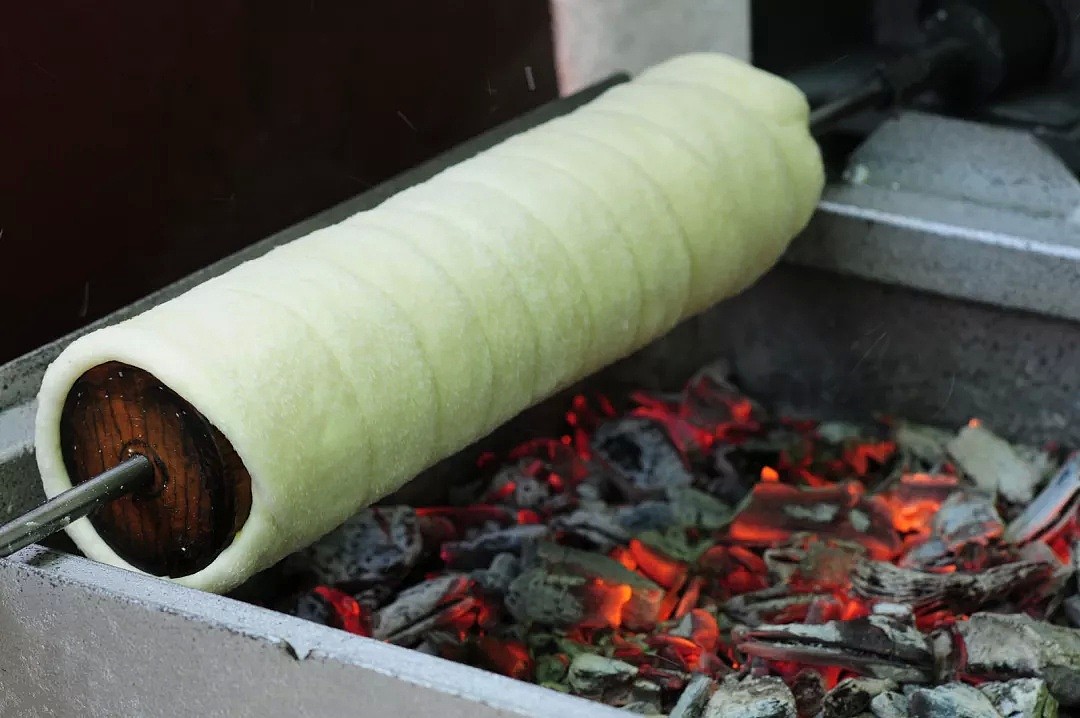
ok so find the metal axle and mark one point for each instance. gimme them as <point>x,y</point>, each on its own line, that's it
<point>891,83</point>
<point>75,503</point>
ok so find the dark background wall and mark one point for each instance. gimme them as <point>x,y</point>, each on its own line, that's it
<point>787,36</point>
<point>141,140</point>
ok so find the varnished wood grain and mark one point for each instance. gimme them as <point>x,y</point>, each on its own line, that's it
<point>201,493</point>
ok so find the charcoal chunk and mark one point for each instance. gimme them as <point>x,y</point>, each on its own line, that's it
<point>691,703</point>
<point>696,508</point>
<point>552,668</point>
<point>646,691</point>
<point>853,696</point>
<point>1072,610</point>
<point>752,697</point>
<point>730,485</point>
<point>478,552</point>
<point>1017,645</point>
<point>925,443</point>
<point>879,646</point>
<point>646,516</point>
<point>837,432</point>
<point>512,485</point>
<point>889,705</point>
<point>756,607</point>
<point>1021,698</point>
<point>417,604</point>
<point>642,455</point>
<point>777,512</point>
<point>535,596</point>
<point>677,543</point>
<point>570,587</point>
<point>952,700</point>
<point>879,580</point>
<point>381,541</point>
<point>531,492</point>
<point>645,708</point>
<point>599,527</point>
<point>967,517</point>
<point>1057,500</point>
<point>312,607</point>
<point>593,675</point>
<point>994,464</point>
<point>497,577</point>
<point>808,687</point>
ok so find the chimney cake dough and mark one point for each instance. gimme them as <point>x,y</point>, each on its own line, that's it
<point>347,361</point>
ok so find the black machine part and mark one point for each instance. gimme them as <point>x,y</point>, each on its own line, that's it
<point>1009,44</point>
<point>972,51</point>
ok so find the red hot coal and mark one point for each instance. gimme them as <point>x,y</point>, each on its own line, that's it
<point>697,556</point>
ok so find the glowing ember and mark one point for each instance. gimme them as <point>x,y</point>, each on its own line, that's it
<point>604,605</point>
<point>666,572</point>
<point>780,511</point>
<point>508,657</point>
<point>624,556</point>
<point>347,612</point>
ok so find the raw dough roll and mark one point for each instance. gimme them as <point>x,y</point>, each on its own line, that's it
<point>344,363</point>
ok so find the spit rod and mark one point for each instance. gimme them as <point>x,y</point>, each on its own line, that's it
<point>892,83</point>
<point>75,503</point>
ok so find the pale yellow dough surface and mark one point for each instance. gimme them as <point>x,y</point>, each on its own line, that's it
<point>346,362</point>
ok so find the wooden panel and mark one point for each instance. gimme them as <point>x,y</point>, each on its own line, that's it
<point>201,493</point>
<point>143,140</point>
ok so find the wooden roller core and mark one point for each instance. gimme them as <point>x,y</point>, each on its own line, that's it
<point>201,494</point>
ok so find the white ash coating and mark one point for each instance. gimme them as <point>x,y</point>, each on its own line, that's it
<point>1021,698</point>
<point>752,697</point>
<point>994,464</point>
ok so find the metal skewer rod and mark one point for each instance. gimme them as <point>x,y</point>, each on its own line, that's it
<point>870,95</point>
<point>75,503</point>
<point>890,83</point>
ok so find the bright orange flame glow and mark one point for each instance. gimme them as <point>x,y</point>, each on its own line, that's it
<point>742,411</point>
<point>527,516</point>
<point>768,473</point>
<point>914,516</point>
<point>704,630</point>
<point>678,649</point>
<point>623,556</point>
<point>349,613</point>
<point>667,606</point>
<point>860,457</point>
<point>913,511</point>
<point>665,571</point>
<point>756,533</point>
<point>459,617</point>
<point>690,597</point>
<point>607,602</point>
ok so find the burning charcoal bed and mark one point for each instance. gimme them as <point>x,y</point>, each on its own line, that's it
<point>695,554</point>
